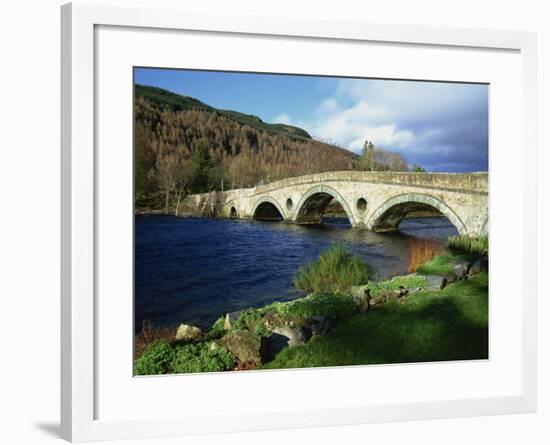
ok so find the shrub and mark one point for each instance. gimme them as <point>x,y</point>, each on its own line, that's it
<point>469,245</point>
<point>334,270</point>
<point>156,359</point>
<point>199,357</point>
<point>251,319</point>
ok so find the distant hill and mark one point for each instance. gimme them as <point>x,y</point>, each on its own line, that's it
<point>183,145</point>
<point>168,101</point>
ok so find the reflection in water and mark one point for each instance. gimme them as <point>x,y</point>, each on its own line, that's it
<point>194,270</point>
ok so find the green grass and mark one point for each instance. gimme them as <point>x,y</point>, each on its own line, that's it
<point>330,305</point>
<point>469,245</point>
<point>429,326</point>
<point>439,265</point>
<point>335,270</point>
<point>406,281</point>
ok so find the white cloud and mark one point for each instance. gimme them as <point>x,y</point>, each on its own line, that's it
<point>425,121</point>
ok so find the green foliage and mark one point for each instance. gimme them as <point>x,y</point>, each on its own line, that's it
<point>406,281</point>
<point>334,270</point>
<point>216,331</point>
<point>165,358</point>
<point>156,359</point>
<point>418,169</point>
<point>199,357</point>
<point>202,164</point>
<point>330,305</point>
<point>427,326</point>
<point>251,319</point>
<point>469,245</point>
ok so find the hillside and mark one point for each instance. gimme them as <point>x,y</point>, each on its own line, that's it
<point>183,145</point>
<point>167,101</point>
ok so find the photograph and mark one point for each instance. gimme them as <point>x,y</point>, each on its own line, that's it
<point>287,221</point>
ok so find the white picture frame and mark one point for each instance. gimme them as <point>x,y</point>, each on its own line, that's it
<point>79,416</point>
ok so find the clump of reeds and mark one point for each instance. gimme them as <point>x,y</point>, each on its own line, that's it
<point>334,270</point>
<point>469,245</point>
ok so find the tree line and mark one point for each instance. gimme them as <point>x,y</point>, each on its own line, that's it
<point>197,150</point>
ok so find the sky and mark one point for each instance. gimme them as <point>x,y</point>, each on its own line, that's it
<point>440,126</point>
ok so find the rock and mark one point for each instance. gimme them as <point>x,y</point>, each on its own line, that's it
<point>377,300</point>
<point>475,268</point>
<point>230,319</point>
<point>360,296</point>
<point>245,346</point>
<point>448,279</point>
<point>435,282</point>
<point>319,325</point>
<point>484,261</point>
<point>461,270</point>
<point>187,332</point>
<point>390,295</point>
<point>270,320</point>
<point>296,336</point>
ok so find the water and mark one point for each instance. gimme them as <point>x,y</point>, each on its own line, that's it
<point>194,270</point>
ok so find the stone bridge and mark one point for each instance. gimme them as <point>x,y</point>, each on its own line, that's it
<point>376,201</point>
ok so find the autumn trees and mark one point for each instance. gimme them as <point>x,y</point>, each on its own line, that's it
<point>377,159</point>
<point>184,146</point>
<point>197,150</point>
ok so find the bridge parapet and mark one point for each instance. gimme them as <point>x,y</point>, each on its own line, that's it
<point>371,200</point>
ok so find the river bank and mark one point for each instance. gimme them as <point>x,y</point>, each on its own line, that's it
<point>439,313</point>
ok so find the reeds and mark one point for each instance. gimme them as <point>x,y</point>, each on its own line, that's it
<point>334,270</point>
<point>469,245</point>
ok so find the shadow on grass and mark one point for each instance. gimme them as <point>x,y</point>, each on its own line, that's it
<point>438,326</point>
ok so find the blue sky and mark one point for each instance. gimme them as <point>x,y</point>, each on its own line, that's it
<point>441,126</point>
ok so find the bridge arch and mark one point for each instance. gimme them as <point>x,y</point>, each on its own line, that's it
<point>391,212</point>
<point>313,203</point>
<point>267,209</point>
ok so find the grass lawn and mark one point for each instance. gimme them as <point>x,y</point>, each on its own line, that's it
<point>428,326</point>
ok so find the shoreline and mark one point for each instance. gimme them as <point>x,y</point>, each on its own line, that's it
<point>305,320</point>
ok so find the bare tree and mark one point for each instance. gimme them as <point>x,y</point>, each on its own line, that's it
<point>167,169</point>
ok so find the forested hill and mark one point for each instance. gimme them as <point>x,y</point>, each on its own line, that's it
<point>183,145</point>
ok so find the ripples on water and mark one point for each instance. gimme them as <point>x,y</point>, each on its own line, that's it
<point>194,270</point>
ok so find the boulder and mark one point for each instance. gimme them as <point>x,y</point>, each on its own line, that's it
<point>296,336</point>
<point>187,332</point>
<point>435,282</point>
<point>230,319</point>
<point>361,296</point>
<point>379,299</point>
<point>448,279</point>
<point>245,346</point>
<point>271,319</point>
<point>403,292</point>
<point>461,270</point>
<point>475,268</point>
